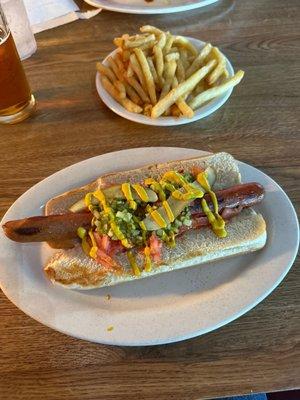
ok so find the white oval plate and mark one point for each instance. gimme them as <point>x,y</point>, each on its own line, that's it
<point>162,309</point>
<point>154,7</point>
<point>200,113</point>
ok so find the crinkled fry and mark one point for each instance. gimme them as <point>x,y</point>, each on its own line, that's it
<point>172,56</point>
<point>180,71</point>
<point>104,70</point>
<point>169,43</point>
<point>169,76</point>
<point>185,109</point>
<point>184,42</point>
<point>220,68</point>
<point>112,63</point>
<point>151,29</point>
<point>130,71</point>
<point>184,58</point>
<point>198,61</point>
<point>147,47</point>
<point>132,94</point>
<point>126,103</point>
<point>181,103</point>
<point>138,88</point>
<point>119,62</point>
<point>159,60</point>
<point>216,91</point>
<point>181,89</point>
<point>147,74</point>
<point>138,71</point>
<point>162,40</point>
<point>139,40</point>
<point>121,88</point>
<point>147,109</point>
<point>153,70</point>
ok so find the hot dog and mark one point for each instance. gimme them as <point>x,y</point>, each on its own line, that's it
<point>134,224</point>
<point>62,227</point>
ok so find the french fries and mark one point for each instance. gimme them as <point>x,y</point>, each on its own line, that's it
<point>147,74</point>
<point>126,103</point>
<point>220,68</point>
<point>158,74</point>
<point>183,88</point>
<point>159,60</point>
<point>121,88</point>
<point>106,71</point>
<point>198,61</point>
<point>138,70</point>
<point>216,90</point>
<point>169,76</point>
<point>138,88</point>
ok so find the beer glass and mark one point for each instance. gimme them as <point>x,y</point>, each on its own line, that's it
<point>16,100</point>
<point>19,25</point>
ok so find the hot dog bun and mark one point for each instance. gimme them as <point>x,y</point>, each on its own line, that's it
<point>246,232</point>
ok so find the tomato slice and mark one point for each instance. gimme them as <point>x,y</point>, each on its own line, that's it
<point>155,245</point>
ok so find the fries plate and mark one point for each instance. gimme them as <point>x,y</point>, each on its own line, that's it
<point>200,113</point>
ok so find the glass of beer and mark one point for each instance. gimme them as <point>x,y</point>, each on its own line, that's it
<point>16,100</point>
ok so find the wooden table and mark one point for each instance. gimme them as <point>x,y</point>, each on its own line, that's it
<point>259,125</point>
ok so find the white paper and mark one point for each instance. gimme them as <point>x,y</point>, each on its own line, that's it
<point>47,14</point>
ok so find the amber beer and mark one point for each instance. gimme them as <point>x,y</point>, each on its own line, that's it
<point>16,100</point>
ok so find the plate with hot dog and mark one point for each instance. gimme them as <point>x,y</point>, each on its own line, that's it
<point>169,244</point>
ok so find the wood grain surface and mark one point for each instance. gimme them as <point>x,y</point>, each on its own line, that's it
<point>259,125</point>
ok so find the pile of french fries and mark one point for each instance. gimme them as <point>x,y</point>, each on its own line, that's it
<point>158,74</point>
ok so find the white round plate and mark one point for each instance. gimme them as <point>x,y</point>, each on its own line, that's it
<point>162,309</point>
<point>200,113</point>
<point>152,7</point>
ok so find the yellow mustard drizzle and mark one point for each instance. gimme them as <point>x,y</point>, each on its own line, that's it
<point>148,208</point>
<point>201,178</point>
<point>190,195</point>
<point>169,212</point>
<point>171,240</point>
<point>120,235</point>
<point>85,246</point>
<point>143,226</point>
<point>156,187</point>
<point>147,264</point>
<point>167,186</point>
<point>133,264</point>
<point>158,219</point>
<point>126,189</point>
<point>141,192</point>
<point>214,201</point>
<point>114,227</point>
<point>88,199</point>
<point>216,221</point>
<point>93,250</point>
<point>191,191</point>
<point>149,181</point>
<point>175,177</point>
